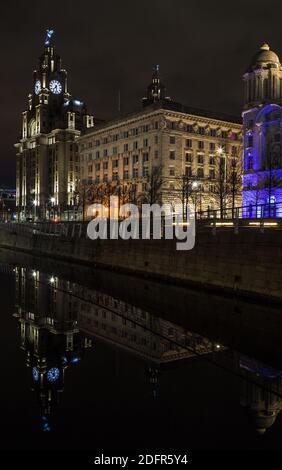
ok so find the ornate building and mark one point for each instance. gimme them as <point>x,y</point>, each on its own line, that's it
<point>262,179</point>
<point>47,155</point>
<point>164,146</point>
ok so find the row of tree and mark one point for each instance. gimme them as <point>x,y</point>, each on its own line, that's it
<point>224,188</point>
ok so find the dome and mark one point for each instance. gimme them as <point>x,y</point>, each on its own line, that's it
<point>265,58</point>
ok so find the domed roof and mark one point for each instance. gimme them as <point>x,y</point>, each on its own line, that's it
<point>265,58</point>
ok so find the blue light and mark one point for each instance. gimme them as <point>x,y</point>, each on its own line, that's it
<point>64,359</point>
<point>75,359</point>
<point>35,374</point>
<point>67,102</point>
<point>45,424</point>
<point>77,102</point>
<point>49,34</point>
<point>53,374</point>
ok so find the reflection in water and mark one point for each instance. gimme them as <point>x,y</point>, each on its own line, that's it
<point>60,319</point>
<point>50,337</point>
<point>263,400</point>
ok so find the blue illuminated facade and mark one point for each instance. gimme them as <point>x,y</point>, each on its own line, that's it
<point>262,126</point>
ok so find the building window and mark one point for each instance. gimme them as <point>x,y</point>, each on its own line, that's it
<point>115,163</point>
<point>125,175</point>
<point>97,143</point>
<point>201,130</point>
<point>156,139</point>
<point>224,134</point>
<point>105,153</point>
<point>188,171</point>
<point>201,159</point>
<point>125,148</point>
<point>172,155</point>
<point>135,145</point>
<point>135,173</point>
<point>115,176</point>
<point>188,157</point>
<point>171,171</point>
<point>212,174</point>
<point>172,139</point>
<point>145,157</point>
<point>145,171</point>
<point>250,163</point>
<point>201,144</point>
<point>97,154</point>
<point>125,161</point>
<point>189,143</point>
<point>156,153</point>
<point>135,159</point>
<point>145,143</point>
<point>97,167</point>
<point>212,146</point>
<point>90,169</point>
<point>212,160</point>
<point>200,173</point>
<point>250,141</point>
<point>125,134</point>
<point>105,165</point>
<point>105,178</point>
<point>213,132</point>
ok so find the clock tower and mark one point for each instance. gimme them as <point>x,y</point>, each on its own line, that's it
<point>48,169</point>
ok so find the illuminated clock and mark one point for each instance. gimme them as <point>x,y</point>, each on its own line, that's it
<point>53,374</point>
<point>37,87</point>
<point>55,87</point>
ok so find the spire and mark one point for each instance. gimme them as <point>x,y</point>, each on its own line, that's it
<point>48,37</point>
<point>265,47</point>
<point>156,89</point>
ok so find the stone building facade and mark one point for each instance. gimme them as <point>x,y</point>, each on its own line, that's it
<point>47,154</point>
<point>164,145</point>
<point>262,121</point>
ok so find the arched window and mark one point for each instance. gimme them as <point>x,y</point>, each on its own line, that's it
<point>32,128</point>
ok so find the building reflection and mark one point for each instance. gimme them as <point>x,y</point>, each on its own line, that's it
<point>49,336</point>
<point>59,320</point>
<point>261,392</point>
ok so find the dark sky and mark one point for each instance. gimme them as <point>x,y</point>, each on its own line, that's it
<point>202,46</point>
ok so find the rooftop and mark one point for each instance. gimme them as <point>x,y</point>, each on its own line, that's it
<point>169,106</point>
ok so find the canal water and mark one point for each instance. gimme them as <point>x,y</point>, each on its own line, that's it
<point>97,360</point>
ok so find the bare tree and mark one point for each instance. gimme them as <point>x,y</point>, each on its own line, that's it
<point>234,179</point>
<point>154,183</point>
<point>221,187</point>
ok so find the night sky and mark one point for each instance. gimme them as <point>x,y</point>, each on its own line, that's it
<point>203,48</point>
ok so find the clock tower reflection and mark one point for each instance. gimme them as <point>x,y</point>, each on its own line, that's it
<point>49,336</point>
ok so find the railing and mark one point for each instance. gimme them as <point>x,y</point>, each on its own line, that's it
<point>259,215</point>
<point>252,211</point>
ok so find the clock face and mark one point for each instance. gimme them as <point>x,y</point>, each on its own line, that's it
<point>53,374</point>
<point>55,87</point>
<point>37,87</point>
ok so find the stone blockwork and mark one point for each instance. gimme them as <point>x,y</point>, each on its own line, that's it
<point>248,263</point>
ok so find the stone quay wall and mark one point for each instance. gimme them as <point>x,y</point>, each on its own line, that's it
<point>247,263</point>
